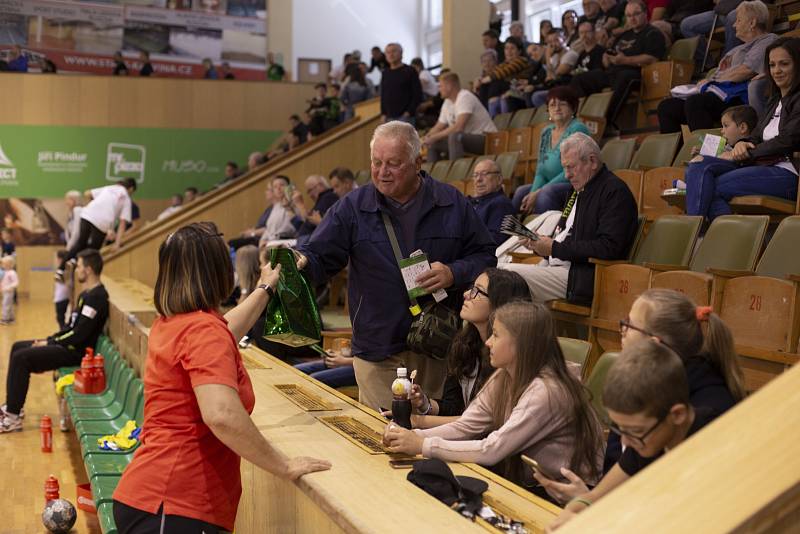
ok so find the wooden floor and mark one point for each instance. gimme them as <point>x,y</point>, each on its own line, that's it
<point>23,467</point>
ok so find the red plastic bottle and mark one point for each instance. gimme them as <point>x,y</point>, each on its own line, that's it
<point>84,378</point>
<point>46,428</point>
<point>98,374</point>
<point>51,488</point>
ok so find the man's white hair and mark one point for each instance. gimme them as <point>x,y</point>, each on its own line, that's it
<point>399,130</point>
<point>583,146</point>
<point>318,179</point>
<point>74,195</point>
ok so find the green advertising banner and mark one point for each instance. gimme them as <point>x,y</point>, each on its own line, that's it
<point>47,161</point>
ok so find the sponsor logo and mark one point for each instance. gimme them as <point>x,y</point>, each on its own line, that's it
<point>125,161</point>
<point>8,172</point>
<point>58,161</point>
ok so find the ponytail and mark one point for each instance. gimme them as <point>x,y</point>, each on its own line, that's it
<point>719,348</point>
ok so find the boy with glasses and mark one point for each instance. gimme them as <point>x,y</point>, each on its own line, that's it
<point>490,202</point>
<point>647,397</point>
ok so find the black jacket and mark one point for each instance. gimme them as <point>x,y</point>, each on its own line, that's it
<point>788,139</point>
<point>604,228</point>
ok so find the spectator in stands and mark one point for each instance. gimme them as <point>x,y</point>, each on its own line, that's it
<point>333,107</point>
<point>647,398</point>
<point>490,201</point>
<point>517,30</point>
<point>320,192</point>
<point>176,203</point>
<point>64,348</point>
<point>225,69</point>
<point>591,12</point>
<point>279,222</point>
<point>275,72</point>
<point>318,110</point>
<point>550,183</point>
<point>763,165</point>
<point>569,25</point>
<point>531,405</point>
<point>678,10</point>
<point>189,195</point>
<point>356,90</point>
<point>737,68</point>
<point>209,71</point>
<point>109,204</point>
<point>495,88</point>
<point>17,60</point>
<point>120,68</point>
<point>298,134</point>
<point>463,122</point>
<point>599,220</point>
<point>232,171</point>
<point>611,15</point>
<point>426,215</point>
<point>337,73</point>
<point>591,53</point>
<point>147,67</point>
<point>72,200</point>
<point>468,365</point>
<point>699,25</point>
<point>491,41</point>
<point>515,66</point>
<point>377,60</point>
<point>193,363</point>
<point>255,160</point>
<point>251,236</point>
<point>342,181</point>
<point>430,87</point>
<point>559,62</point>
<point>640,45</point>
<point>401,91</point>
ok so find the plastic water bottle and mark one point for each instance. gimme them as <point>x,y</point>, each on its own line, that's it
<point>98,374</point>
<point>51,488</point>
<point>401,405</point>
<point>46,429</point>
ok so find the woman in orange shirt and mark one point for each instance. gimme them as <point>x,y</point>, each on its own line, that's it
<point>185,475</point>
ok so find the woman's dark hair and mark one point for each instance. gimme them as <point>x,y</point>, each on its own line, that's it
<point>564,16</point>
<point>792,47</point>
<point>516,42</point>
<point>353,71</point>
<point>467,346</point>
<point>194,271</point>
<point>565,93</point>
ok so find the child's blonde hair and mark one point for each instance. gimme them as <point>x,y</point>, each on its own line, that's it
<point>7,262</point>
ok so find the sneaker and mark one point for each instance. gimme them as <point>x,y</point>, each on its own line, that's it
<point>3,411</point>
<point>10,423</point>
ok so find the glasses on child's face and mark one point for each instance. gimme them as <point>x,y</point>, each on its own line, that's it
<point>638,440</point>
<point>625,325</point>
<point>473,292</point>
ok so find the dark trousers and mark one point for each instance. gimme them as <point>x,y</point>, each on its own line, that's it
<point>89,236</point>
<point>698,111</point>
<point>61,311</point>
<point>619,80</point>
<point>131,520</point>
<point>25,360</point>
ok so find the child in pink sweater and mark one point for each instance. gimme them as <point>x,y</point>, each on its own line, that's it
<point>8,284</point>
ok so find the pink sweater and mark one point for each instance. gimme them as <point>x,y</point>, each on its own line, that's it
<point>537,427</point>
<point>9,281</point>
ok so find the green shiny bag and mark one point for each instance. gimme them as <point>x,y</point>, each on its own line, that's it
<point>292,315</point>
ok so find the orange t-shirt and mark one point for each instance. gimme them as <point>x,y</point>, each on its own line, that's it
<point>180,462</point>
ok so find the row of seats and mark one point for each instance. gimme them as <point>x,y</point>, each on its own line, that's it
<point>757,294</point>
<point>95,416</point>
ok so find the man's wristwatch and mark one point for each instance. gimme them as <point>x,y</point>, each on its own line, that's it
<point>268,289</point>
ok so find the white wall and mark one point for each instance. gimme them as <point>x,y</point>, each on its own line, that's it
<point>327,29</point>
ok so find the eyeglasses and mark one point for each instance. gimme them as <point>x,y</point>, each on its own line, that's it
<point>486,174</point>
<point>625,325</point>
<point>639,440</point>
<point>636,14</point>
<point>473,292</point>
<point>557,104</point>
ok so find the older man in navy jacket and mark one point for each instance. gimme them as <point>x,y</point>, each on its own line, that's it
<point>427,215</point>
<point>490,201</point>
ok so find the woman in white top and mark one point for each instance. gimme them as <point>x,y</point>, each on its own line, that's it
<point>531,405</point>
<point>762,164</point>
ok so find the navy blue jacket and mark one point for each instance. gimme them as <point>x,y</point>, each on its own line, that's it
<point>491,209</point>
<point>449,231</point>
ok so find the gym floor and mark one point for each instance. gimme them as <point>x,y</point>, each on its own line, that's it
<point>24,468</point>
